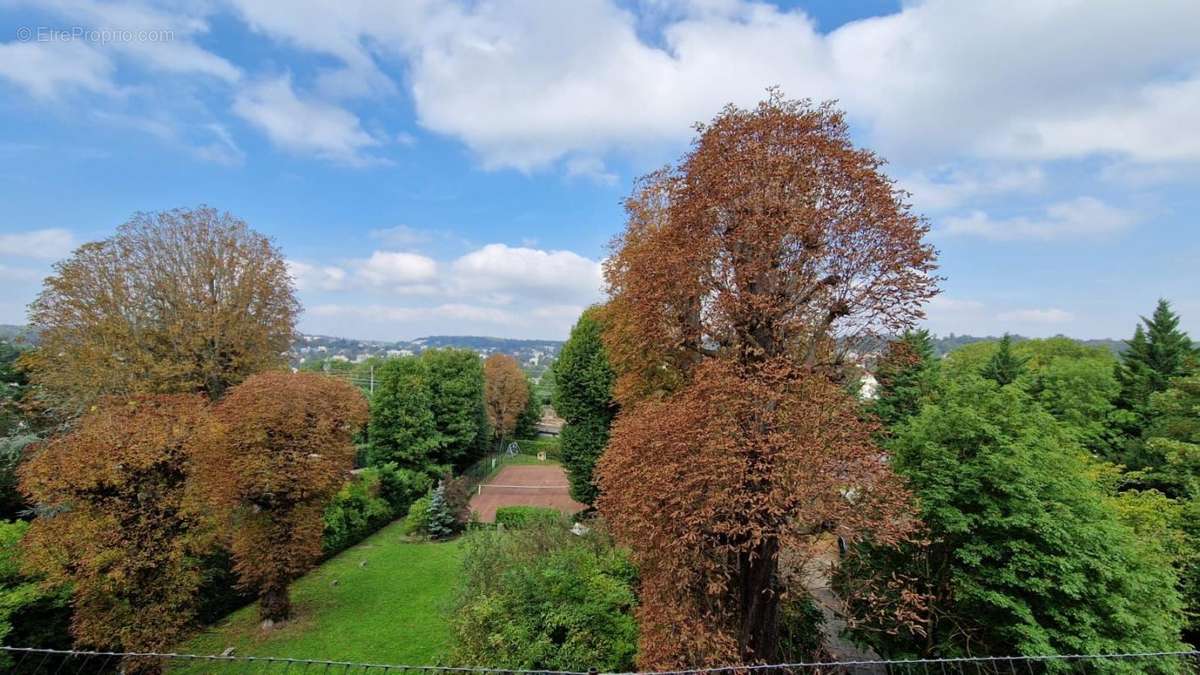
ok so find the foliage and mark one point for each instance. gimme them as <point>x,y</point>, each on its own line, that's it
<point>12,388</point>
<point>1004,367</point>
<point>440,522</point>
<point>12,450</point>
<point>356,511</point>
<point>1023,554</point>
<point>1073,382</point>
<point>417,520</point>
<point>544,599</point>
<point>401,487</point>
<point>1169,456</point>
<point>1158,352</point>
<point>162,307</point>
<point>116,520</point>
<point>525,516</point>
<point>403,429</point>
<point>583,397</point>
<point>742,277</point>
<point>456,400</point>
<point>285,451</point>
<point>382,602</point>
<point>506,394</point>
<point>31,615</point>
<point>801,639</point>
<point>550,445</point>
<point>532,414</point>
<point>908,377</point>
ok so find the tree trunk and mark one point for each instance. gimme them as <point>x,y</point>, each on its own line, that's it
<point>274,604</point>
<point>758,580</point>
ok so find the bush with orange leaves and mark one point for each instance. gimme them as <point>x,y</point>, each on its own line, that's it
<point>742,278</point>
<point>285,449</point>
<point>116,521</point>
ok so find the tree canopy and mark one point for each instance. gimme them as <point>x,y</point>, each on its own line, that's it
<point>505,395</point>
<point>1022,555</point>
<point>741,278</point>
<point>583,397</point>
<point>182,301</point>
<point>284,451</point>
<point>908,377</point>
<point>403,428</point>
<point>117,521</point>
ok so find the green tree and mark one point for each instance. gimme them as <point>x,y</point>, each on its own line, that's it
<point>1004,367</point>
<point>441,521</point>
<point>403,429</point>
<point>583,397</point>
<point>1024,553</point>
<point>1158,352</point>
<point>456,400</point>
<point>31,614</point>
<point>528,421</point>
<point>908,377</point>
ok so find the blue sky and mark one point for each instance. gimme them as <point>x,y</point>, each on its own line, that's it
<point>458,167</point>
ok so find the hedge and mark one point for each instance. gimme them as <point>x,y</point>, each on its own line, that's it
<point>522,516</point>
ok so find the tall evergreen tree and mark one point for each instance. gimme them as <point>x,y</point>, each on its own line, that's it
<point>403,428</point>
<point>907,375</point>
<point>456,400</point>
<point>583,397</point>
<point>1157,353</point>
<point>1004,367</point>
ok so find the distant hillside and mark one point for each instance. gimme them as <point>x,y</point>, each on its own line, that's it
<point>533,355</point>
<point>945,345</point>
<point>11,333</point>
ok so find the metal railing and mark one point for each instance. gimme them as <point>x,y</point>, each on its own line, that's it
<point>46,661</point>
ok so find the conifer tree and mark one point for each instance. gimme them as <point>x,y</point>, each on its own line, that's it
<point>1004,367</point>
<point>907,377</point>
<point>441,519</point>
<point>1157,353</point>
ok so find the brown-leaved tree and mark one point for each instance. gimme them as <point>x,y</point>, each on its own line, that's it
<point>116,521</point>
<point>744,275</point>
<point>285,448</point>
<point>183,301</point>
<point>505,394</point>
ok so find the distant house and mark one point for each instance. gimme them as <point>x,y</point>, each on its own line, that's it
<point>550,424</point>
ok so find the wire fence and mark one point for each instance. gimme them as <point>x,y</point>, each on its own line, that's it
<point>46,661</point>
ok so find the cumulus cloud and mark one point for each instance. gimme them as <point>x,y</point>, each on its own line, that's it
<point>501,271</point>
<point>1082,218</point>
<point>950,187</point>
<point>397,268</point>
<point>47,244</point>
<point>317,277</point>
<point>304,125</point>
<point>935,79</point>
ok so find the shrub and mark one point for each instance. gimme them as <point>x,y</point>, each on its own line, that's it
<point>526,516</point>
<point>417,520</point>
<point>401,487</point>
<point>543,598</point>
<point>441,520</point>
<point>549,445</point>
<point>357,510</point>
<point>30,614</point>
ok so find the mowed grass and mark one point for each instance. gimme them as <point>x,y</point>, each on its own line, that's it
<point>388,606</point>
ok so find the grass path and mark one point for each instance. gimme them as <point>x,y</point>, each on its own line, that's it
<point>387,607</point>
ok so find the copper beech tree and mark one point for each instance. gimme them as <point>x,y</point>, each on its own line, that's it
<point>743,276</point>
<point>117,523</point>
<point>285,448</point>
<point>183,301</point>
<point>505,394</point>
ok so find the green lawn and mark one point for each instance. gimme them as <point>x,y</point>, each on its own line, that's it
<point>390,610</point>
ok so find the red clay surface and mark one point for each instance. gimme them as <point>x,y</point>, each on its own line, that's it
<point>551,478</point>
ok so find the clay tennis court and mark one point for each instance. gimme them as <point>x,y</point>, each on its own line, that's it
<point>524,485</point>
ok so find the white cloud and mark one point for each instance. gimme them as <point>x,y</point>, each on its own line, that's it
<point>47,244</point>
<point>1082,218</point>
<point>304,125</point>
<point>950,187</point>
<point>316,277</point>
<point>397,268</point>
<point>500,271</point>
<point>1051,315</point>
<point>47,69</point>
<point>525,84</point>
